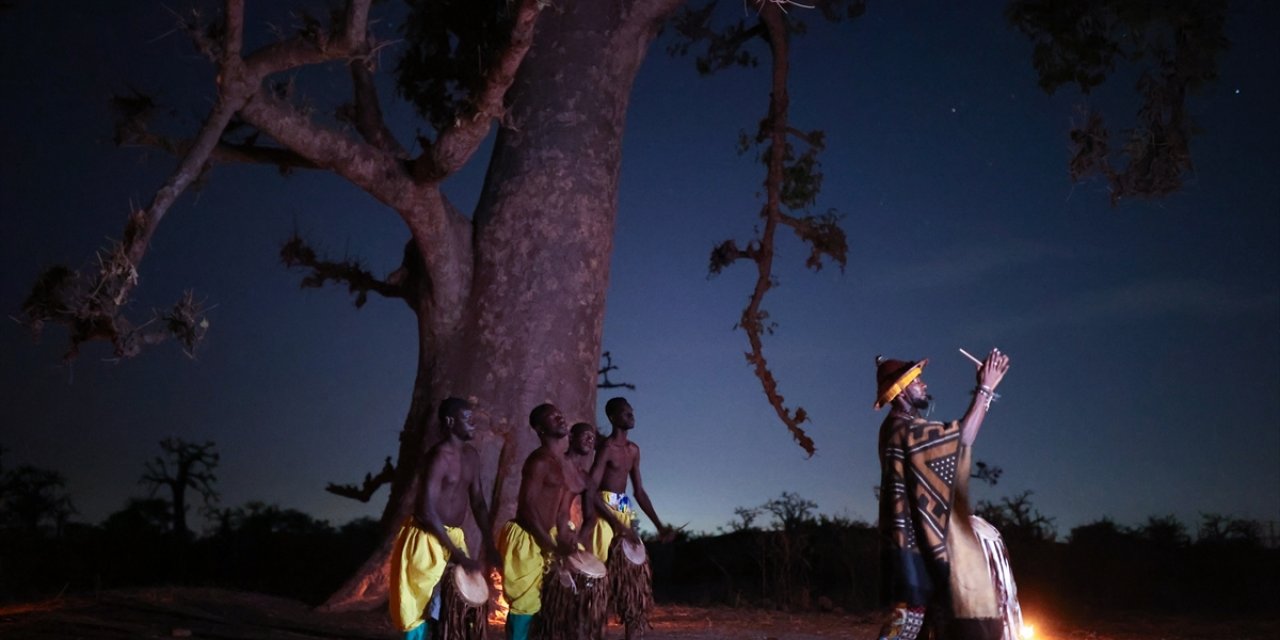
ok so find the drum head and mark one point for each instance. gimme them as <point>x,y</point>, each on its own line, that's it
<point>471,585</point>
<point>586,564</point>
<point>633,550</point>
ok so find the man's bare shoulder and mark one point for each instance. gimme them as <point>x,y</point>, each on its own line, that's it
<point>434,454</point>
<point>614,447</point>
<point>621,454</point>
<point>538,460</point>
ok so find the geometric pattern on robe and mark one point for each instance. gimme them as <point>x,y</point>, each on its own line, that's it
<point>924,519</point>
<point>918,461</point>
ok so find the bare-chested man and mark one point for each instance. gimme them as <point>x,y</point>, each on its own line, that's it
<point>617,461</point>
<point>589,506</point>
<point>541,527</point>
<point>582,446</point>
<point>581,453</point>
<point>433,536</point>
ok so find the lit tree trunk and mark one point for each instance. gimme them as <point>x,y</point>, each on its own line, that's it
<point>530,329</point>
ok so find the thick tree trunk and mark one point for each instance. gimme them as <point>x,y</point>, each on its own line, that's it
<point>543,233</point>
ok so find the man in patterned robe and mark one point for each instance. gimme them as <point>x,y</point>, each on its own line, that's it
<point>930,557</point>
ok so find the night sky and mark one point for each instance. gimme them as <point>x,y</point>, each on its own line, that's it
<point>1145,338</point>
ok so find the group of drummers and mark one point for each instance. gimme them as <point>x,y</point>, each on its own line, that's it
<point>568,559</point>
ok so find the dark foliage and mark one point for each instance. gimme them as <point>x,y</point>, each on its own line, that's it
<point>1174,44</point>
<point>820,563</point>
<point>34,500</point>
<point>284,551</point>
<point>93,305</point>
<point>450,44</point>
<point>257,547</point>
<point>801,561</point>
<point>1017,518</point>
<point>779,555</point>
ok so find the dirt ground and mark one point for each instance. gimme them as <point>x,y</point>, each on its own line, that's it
<point>234,615</point>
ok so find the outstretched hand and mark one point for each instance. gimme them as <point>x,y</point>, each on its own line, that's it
<point>993,369</point>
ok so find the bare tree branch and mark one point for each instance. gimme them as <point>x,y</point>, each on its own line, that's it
<point>231,97</point>
<point>234,30</point>
<point>824,237</point>
<point>357,19</point>
<point>136,134</point>
<point>604,372</point>
<point>297,253</point>
<point>93,309</point>
<point>792,181</point>
<point>370,485</point>
<point>753,317</point>
<point>366,110</point>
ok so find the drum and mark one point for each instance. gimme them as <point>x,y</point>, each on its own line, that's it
<point>633,551</point>
<point>1006,590</point>
<point>465,611</point>
<point>584,565</point>
<point>472,587</point>
<point>575,599</point>
<point>630,583</point>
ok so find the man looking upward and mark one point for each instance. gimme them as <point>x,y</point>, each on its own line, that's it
<point>930,557</point>
<point>433,536</point>
<point>541,527</point>
<point>617,461</point>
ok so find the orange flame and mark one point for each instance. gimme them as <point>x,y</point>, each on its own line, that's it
<point>498,612</point>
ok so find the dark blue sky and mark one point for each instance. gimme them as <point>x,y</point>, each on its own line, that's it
<point>1145,337</point>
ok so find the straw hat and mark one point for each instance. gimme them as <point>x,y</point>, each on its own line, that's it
<point>893,376</point>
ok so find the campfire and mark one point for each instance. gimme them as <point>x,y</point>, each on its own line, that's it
<point>498,610</point>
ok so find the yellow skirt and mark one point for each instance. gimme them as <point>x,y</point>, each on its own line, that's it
<point>417,563</point>
<point>602,536</point>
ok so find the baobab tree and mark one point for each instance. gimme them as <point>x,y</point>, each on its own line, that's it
<point>183,466</point>
<point>509,297</point>
<point>33,500</point>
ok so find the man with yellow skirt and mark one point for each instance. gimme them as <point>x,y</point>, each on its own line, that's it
<point>617,461</point>
<point>527,543</point>
<point>432,537</point>
<point>417,565</point>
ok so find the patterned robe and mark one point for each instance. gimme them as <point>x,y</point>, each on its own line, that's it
<point>929,553</point>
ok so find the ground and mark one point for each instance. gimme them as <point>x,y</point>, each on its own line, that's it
<point>236,615</point>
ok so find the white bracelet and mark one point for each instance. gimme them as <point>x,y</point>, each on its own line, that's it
<point>990,395</point>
